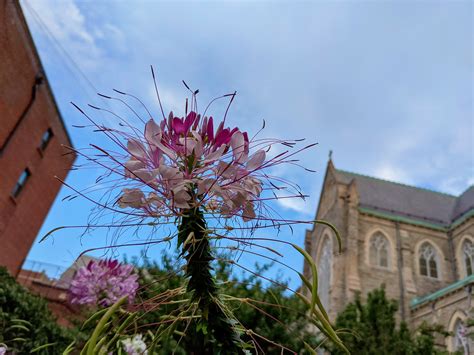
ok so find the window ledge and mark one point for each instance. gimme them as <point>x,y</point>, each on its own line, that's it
<point>40,152</point>
<point>381,268</point>
<point>430,277</point>
<point>14,200</point>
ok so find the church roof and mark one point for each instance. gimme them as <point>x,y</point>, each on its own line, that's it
<point>423,205</point>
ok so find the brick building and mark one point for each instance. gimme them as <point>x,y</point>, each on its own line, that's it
<point>417,242</point>
<point>31,135</point>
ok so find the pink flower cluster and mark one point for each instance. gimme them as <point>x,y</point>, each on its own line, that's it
<point>103,283</point>
<point>182,163</point>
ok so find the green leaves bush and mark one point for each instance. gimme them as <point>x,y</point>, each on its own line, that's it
<point>372,327</point>
<point>270,311</point>
<point>26,322</point>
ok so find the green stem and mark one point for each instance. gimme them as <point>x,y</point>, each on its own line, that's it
<point>213,333</point>
<point>103,321</point>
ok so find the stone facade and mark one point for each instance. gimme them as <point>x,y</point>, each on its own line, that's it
<point>31,137</point>
<point>387,238</point>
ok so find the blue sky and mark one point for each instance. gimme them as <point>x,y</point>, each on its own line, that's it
<point>388,86</point>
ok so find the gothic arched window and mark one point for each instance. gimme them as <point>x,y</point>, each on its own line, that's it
<point>324,271</point>
<point>379,250</point>
<point>428,260</point>
<point>468,256</point>
<point>460,338</point>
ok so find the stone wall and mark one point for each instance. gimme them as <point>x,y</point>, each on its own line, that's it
<point>446,310</point>
<point>351,270</point>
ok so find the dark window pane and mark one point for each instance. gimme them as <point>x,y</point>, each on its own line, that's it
<point>21,182</point>
<point>46,138</point>
<point>468,265</point>
<point>423,268</point>
<point>373,255</point>
<point>433,269</point>
<point>383,257</point>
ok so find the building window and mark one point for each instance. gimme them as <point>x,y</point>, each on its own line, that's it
<point>468,256</point>
<point>460,339</point>
<point>379,250</point>
<point>325,271</point>
<point>428,261</point>
<point>21,182</point>
<point>46,138</point>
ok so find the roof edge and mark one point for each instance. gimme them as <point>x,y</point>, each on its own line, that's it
<point>41,67</point>
<point>330,166</point>
<point>418,301</point>
<point>397,183</point>
<point>399,218</point>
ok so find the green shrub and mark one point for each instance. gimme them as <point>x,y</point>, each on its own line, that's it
<point>276,315</point>
<point>372,326</point>
<point>25,320</point>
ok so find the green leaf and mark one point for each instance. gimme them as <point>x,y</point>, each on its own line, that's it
<point>69,348</point>
<point>17,326</point>
<point>93,317</point>
<point>334,229</point>
<point>39,348</point>
<point>102,323</point>
<point>310,349</point>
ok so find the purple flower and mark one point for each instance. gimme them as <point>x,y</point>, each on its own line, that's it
<point>179,155</point>
<point>103,283</point>
<point>3,349</point>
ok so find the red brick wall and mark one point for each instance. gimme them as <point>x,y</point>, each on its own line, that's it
<point>22,217</point>
<point>56,296</point>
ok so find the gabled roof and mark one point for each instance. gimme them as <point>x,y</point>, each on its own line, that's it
<point>419,204</point>
<point>464,203</point>
<point>68,275</point>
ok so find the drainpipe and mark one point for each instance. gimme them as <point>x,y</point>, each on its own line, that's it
<point>39,80</point>
<point>454,267</point>
<point>400,271</point>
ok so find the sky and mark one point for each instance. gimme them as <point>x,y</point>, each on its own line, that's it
<point>386,85</point>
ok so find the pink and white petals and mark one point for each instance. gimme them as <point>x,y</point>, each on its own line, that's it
<point>182,163</point>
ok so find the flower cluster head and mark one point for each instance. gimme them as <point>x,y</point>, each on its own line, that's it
<point>186,162</point>
<point>167,167</point>
<point>135,345</point>
<point>103,283</point>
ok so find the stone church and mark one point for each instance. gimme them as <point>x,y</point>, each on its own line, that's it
<point>417,242</point>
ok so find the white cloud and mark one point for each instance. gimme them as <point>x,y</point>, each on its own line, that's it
<point>63,21</point>
<point>386,87</point>
<point>170,99</point>
<point>296,204</point>
<point>456,185</point>
<point>390,172</point>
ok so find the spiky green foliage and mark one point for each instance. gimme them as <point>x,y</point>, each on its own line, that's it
<point>26,322</point>
<point>213,331</point>
<point>374,327</point>
<point>278,317</point>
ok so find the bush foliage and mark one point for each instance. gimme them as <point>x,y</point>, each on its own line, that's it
<point>25,320</point>
<point>270,311</point>
<point>372,326</point>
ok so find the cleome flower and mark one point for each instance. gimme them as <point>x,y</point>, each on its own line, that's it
<point>165,168</point>
<point>185,163</point>
<point>103,283</point>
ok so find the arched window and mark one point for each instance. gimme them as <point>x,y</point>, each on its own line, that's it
<point>468,256</point>
<point>460,339</point>
<point>428,260</point>
<point>379,250</point>
<point>324,271</point>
